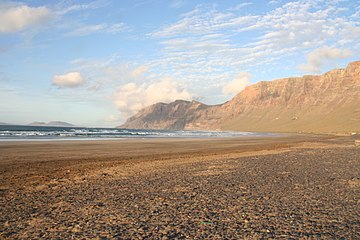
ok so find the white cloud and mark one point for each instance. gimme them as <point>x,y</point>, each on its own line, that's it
<point>130,98</point>
<point>274,2</point>
<point>319,57</point>
<point>90,29</point>
<point>139,71</point>
<point>108,73</point>
<point>177,3</point>
<point>238,84</point>
<point>240,6</point>
<point>115,28</point>
<point>67,7</point>
<point>291,29</point>
<point>16,18</point>
<point>203,21</point>
<point>86,30</point>
<point>68,80</point>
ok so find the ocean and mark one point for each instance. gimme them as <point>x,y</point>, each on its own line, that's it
<point>19,133</point>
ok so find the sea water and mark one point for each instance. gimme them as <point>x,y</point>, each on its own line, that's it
<point>14,132</point>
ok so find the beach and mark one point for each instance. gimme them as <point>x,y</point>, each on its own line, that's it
<point>280,187</point>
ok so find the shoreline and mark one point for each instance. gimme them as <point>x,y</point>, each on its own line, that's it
<point>45,139</point>
<point>147,137</point>
<point>36,133</point>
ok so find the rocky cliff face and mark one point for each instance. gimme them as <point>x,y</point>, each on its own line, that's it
<point>324,103</point>
<point>175,115</point>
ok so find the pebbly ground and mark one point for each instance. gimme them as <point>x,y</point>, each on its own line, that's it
<point>299,193</point>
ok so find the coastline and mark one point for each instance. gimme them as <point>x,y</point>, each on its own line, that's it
<point>47,133</point>
<point>234,187</point>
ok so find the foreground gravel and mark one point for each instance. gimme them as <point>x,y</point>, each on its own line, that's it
<point>308,193</point>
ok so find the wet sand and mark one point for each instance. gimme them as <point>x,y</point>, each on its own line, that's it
<point>287,187</point>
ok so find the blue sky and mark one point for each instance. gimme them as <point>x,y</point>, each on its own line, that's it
<point>95,63</point>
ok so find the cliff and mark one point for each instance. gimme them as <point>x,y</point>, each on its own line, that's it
<point>312,103</point>
<point>175,115</point>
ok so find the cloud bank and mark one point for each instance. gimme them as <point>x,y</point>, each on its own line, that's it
<point>319,57</point>
<point>238,84</point>
<point>16,18</point>
<point>131,97</point>
<point>68,80</point>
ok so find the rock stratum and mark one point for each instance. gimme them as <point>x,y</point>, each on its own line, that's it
<point>328,103</point>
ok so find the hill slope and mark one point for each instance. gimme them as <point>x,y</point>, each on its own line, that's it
<point>312,103</point>
<point>52,124</point>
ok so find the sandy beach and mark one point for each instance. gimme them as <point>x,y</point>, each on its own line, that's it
<point>285,187</point>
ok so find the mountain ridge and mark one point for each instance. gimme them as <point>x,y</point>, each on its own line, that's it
<point>52,124</point>
<point>312,103</point>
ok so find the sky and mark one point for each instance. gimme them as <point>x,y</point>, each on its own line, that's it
<point>95,63</point>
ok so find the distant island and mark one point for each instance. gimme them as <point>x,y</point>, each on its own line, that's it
<point>2,123</point>
<point>51,124</point>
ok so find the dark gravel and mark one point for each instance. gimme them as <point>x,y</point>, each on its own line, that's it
<point>304,193</point>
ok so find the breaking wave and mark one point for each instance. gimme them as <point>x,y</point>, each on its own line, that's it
<point>8,132</point>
